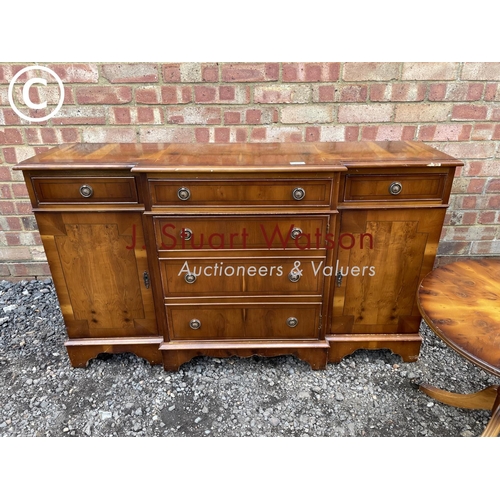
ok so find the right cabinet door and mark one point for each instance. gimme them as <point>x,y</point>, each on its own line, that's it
<point>382,256</point>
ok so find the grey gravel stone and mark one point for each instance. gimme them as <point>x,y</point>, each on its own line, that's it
<point>369,393</point>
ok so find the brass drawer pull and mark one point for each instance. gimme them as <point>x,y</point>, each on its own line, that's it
<point>299,193</point>
<point>190,278</point>
<point>86,191</point>
<point>395,188</point>
<point>293,276</point>
<point>184,194</point>
<point>186,234</point>
<point>292,322</point>
<point>296,232</point>
<point>195,324</point>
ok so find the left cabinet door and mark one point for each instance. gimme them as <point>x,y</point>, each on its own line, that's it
<point>98,261</point>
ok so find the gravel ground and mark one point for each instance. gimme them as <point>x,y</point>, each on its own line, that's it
<point>370,393</point>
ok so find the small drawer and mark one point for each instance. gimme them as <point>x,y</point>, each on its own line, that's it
<point>242,233</point>
<point>398,187</point>
<point>85,189</point>
<point>240,277</point>
<point>222,193</point>
<point>244,321</point>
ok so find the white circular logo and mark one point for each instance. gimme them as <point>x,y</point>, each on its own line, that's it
<point>26,90</point>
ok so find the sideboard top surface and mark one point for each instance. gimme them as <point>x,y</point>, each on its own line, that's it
<point>170,157</point>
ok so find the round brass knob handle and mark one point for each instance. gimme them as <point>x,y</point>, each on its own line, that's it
<point>395,188</point>
<point>292,322</point>
<point>190,278</point>
<point>86,191</point>
<point>186,234</point>
<point>299,193</point>
<point>184,194</point>
<point>296,232</point>
<point>195,324</point>
<point>293,276</point>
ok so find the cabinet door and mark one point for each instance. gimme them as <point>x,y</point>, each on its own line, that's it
<point>382,256</point>
<point>97,261</point>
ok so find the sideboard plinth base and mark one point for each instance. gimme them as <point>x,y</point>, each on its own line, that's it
<point>407,346</point>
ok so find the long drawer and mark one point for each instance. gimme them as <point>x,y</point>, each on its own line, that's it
<point>238,276</point>
<point>306,232</point>
<point>241,193</point>
<point>244,321</point>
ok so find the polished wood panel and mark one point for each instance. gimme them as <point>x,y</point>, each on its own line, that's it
<point>242,276</point>
<point>423,187</point>
<point>242,192</point>
<point>98,272</point>
<point>101,189</point>
<point>245,321</point>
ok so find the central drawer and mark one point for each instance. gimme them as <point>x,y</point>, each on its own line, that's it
<point>244,321</point>
<point>237,277</point>
<point>241,193</point>
<point>303,232</point>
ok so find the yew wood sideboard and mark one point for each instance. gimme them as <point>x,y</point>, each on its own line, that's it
<point>172,251</point>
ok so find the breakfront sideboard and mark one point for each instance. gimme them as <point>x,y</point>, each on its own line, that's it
<point>172,251</point>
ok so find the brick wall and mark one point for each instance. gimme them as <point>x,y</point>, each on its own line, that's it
<point>454,107</point>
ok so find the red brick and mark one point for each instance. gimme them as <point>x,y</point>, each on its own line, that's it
<point>326,93</point>
<point>247,72</point>
<point>10,224</point>
<point>496,133</point>
<point>19,190</point>
<point>210,72</point>
<point>23,207</point>
<point>171,73</point>
<point>486,217</point>
<point>14,253</point>
<point>5,174</point>
<point>429,71</point>
<point>353,93</point>
<point>437,91</point>
<point>380,92</point>
<point>11,136</point>
<point>176,95</point>
<point>205,94</point>
<point>312,134</point>
<point>470,218</point>
<point>193,115</point>
<point>258,134</point>
<point>149,115</point>
<point>469,112</point>
<point>494,202</point>
<point>408,92</point>
<point>476,186</point>
<point>489,168</point>
<point>473,150</point>
<point>130,72</point>
<point>453,248</point>
<point>76,72</point>
<point>232,117</point>
<point>9,117</point>
<point>241,135</point>
<point>121,116</point>
<point>202,134</point>
<point>5,192</point>
<point>486,248</point>
<point>483,131</point>
<point>253,116</point>
<point>29,270</point>
<point>445,132</point>
<point>389,133</point>
<point>493,186</point>
<point>481,71</point>
<point>147,95</point>
<point>363,113</point>
<point>367,71</point>
<point>104,95</point>
<point>352,133</point>
<point>491,92</point>
<point>311,72</point>
<point>221,134</point>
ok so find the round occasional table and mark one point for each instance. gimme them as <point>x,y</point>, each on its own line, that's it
<point>461,303</point>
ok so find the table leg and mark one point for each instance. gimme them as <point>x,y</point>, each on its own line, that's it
<point>487,399</point>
